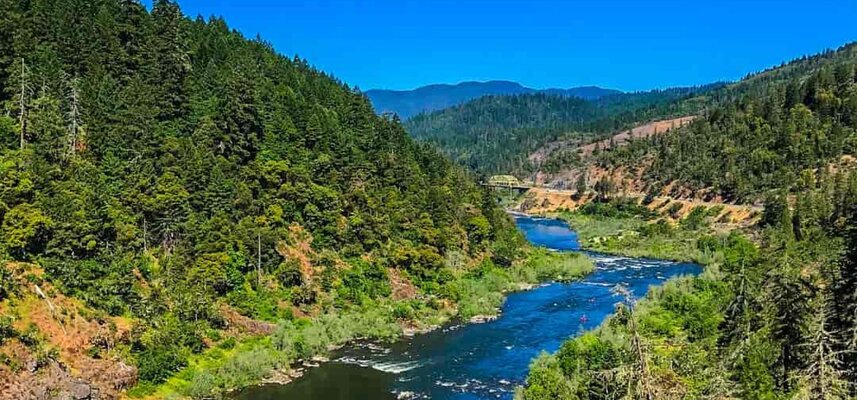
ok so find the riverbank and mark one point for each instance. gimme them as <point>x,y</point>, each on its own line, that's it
<point>675,324</point>
<point>623,227</point>
<point>483,360</point>
<point>634,237</point>
<point>475,293</point>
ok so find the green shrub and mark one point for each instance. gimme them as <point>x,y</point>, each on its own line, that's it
<point>546,381</point>
<point>288,273</point>
<point>7,283</point>
<point>364,281</point>
<point>106,285</point>
<point>263,304</point>
<point>657,229</point>
<point>695,219</point>
<point>616,208</point>
<point>7,331</point>
<point>674,209</point>
<point>157,363</point>
<point>544,266</point>
<point>588,352</point>
<point>25,231</point>
<point>715,210</point>
<point>403,311</point>
<point>227,344</point>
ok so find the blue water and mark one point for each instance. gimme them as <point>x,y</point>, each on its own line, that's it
<point>483,361</point>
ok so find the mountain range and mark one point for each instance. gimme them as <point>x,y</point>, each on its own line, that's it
<point>407,103</point>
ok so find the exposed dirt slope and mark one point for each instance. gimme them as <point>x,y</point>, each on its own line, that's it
<point>60,349</point>
<point>642,131</point>
<point>544,201</point>
<point>619,139</point>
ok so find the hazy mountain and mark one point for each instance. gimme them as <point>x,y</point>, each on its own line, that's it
<point>407,103</point>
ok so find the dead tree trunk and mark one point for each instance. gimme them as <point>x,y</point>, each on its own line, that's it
<point>74,118</point>
<point>22,103</point>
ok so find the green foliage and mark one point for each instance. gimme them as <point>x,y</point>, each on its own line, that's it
<point>764,320</point>
<point>157,363</point>
<point>760,134</point>
<point>546,381</point>
<point>7,331</point>
<point>695,219</point>
<point>171,168</point>
<point>106,285</point>
<point>8,285</point>
<point>543,265</point>
<point>691,308</point>
<point>617,208</point>
<point>485,134</point>
<point>661,228</point>
<point>364,281</point>
<point>25,230</point>
<point>636,237</point>
<point>165,351</point>
<point>588,352</point>
<point>241,370</point>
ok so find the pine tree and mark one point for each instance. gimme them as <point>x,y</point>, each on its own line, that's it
<point>790,301</point>
<point>73,115</point>
<point>824,377</point>
<point>580,185</point>
<point>172,64</point>
<point>47,126</point>
<point>24,93</point>
<point>846,294</point>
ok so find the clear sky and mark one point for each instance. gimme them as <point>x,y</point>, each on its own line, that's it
<point>622,44</point>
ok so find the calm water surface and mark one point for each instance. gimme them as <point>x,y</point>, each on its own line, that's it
<point>481,361</point>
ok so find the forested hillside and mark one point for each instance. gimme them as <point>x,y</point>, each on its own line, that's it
<point>496,134</point>
<point>165,182</point>
<point>775,314</point>
<point>760,134</point>
<point>408,103</point>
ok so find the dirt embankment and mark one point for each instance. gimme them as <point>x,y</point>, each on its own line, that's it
<point>620,139</point>
<point>558,190</point>
<point>629,179</point>
<point>639,132</point>
<point>60,349</point>
<point>545,201</point>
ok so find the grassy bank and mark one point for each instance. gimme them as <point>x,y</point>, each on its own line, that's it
<point>662,346</point>
<point>475,292</point>
<point>633,237</point>
<point>624,228</point>
<point>676,324</point>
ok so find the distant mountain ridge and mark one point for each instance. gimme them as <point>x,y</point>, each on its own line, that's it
<point>407,103</point>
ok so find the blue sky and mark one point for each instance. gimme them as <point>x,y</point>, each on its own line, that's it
<point>623,44</point>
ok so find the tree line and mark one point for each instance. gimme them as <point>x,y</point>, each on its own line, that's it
<point>765,134</point>
<point>775,313</point>
<point>497,134</point>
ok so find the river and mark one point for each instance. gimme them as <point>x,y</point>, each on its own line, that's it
<point>481,361</point>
